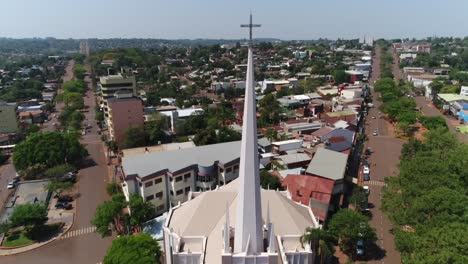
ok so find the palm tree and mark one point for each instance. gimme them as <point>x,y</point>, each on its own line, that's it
<point>320,241</point>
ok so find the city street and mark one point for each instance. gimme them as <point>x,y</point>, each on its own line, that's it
<point>383,163</point>
<point>49,126</point>
<point>81,247</point>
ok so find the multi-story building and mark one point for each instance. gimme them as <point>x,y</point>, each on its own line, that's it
<point>8,122</point>
<point>166,178</point>
<point>122,114</point>
<point>109,85</point>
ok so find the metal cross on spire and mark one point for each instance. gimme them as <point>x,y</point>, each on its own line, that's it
<point>250,26</point>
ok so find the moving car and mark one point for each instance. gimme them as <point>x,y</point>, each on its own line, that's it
<point>375,133</point>
<point>373,117</point>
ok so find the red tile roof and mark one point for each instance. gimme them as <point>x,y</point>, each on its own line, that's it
<point>304,187</point>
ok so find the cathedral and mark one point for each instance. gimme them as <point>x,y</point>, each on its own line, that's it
<point>240,222</point>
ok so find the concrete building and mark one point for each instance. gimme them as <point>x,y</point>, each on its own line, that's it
<point>8,121</point>
<point>109,85</point>
<point>165,178</point>
<point>122,114</point>
<point>239,222</point>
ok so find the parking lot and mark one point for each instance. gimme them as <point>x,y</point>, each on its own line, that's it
<point>26,192</point>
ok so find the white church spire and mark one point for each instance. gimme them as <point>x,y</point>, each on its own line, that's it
<point>249,232</point>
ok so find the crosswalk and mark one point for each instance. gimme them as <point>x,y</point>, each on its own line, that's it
<point>79,232</point>
<point>375,183</point>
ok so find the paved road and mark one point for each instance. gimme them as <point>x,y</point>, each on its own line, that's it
<point>383,163</point>
<point>82,247</point>
<point>7,174</point>
<point>49,126</point>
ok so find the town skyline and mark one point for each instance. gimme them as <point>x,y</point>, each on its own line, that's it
<point>210,20</point>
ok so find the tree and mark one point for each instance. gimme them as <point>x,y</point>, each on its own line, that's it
<point>348,227</point>
<point>205,137</point>
<point>108,215</point>
<point>358,198</point>
<point>58,188</point>
<point>136,249</point>
<point>79,71</point>
<point>56,172</point>
<point>226,134</point>
<point>32,129</point>
<point>271,134</point>
<point>134,137</point>
<point>112,188</point>
<point>340,76</point>
<point>75,86</point>
<point>140,210</point>
<point>270,182</point>
<point>320,241</point>
<point>48,148</point>
<point>269,110</point>
<point>73,100</point>
<point>434,122</point>
<point>29,215</point>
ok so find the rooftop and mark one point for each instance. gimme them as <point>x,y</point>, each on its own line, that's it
<point>174,160</point>
<point>328,164</point>
<point>158,148</point>
<point>288,217</point>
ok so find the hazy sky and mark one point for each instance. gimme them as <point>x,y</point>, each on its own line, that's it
<point>287,19</point>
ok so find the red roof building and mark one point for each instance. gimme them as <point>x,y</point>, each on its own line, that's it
<point>313,191</point>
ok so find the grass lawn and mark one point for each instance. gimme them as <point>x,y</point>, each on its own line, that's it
<point>37,234</point>
<point>463,129</point>
<point>17,239</point>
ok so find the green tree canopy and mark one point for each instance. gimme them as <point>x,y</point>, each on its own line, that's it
<point>58,188</point>
<point>268,181</point>
<point>74,86</point>
<point>141,210</point>
<point>48,148</point>
<point>107,214</point>
<point>136,249</point>
<point>29,215</point>
<point>135,137</point>
<point>349,226</point>
<point>427,200</point>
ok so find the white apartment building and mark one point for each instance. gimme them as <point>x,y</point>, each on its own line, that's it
<point>166,178</point>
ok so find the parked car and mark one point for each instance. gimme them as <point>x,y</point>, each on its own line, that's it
<point>366,176</point>
<point>366,169</point>
<point>375,133</point>
<point>66,206</point>
<point>16,179</point>
<point>11,185</point>
<point>373,117</point>
<point>360,251</point>
<point>368,151</point>
<point>65,199</point>
<point>366,189</point>
<point>68,177</point>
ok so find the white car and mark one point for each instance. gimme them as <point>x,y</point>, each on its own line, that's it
<point>366,189</point>
<point>373,117</point>
<point>11,185</point>
<point>375,133</point>
<point>366,170</point>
